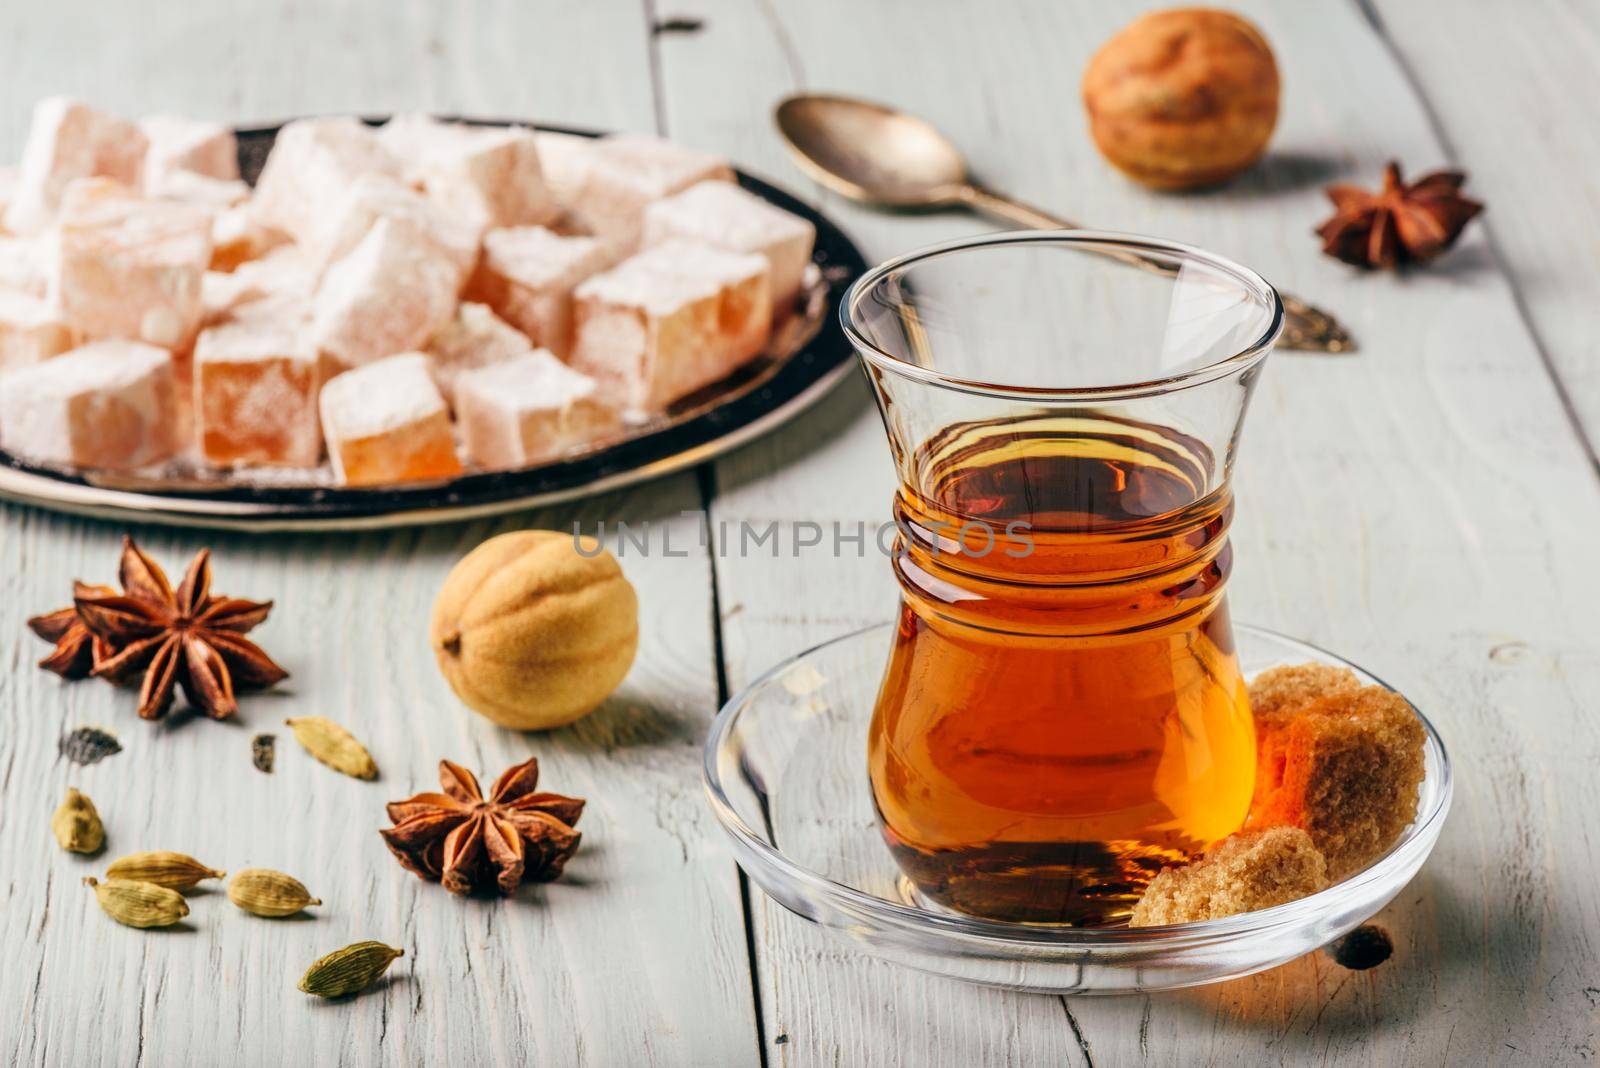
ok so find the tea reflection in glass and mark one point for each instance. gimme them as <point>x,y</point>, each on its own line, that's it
<point>1062,713</point>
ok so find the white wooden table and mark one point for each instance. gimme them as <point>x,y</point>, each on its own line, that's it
<point>1428,507</point>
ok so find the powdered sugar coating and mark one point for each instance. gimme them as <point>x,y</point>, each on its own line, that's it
<point>371,197</point>
<point>312,164</point>
<point>629,171</point>
<point>111,404</point>
<point>179,147</point>
<point>68,140</point>
<point>476,337</point>
<point>527,276</point>
<point>389,295</point>
<point>380,397</point>
<point>30,331</point>
<point>665,277</point>
<point>722,214</point>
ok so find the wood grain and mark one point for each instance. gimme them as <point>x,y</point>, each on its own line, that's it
<point>637,956</point>
<point>1422,507</point>
<point>1425,507</point>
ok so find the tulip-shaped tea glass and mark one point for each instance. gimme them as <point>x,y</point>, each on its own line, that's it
<point>1063,712</point>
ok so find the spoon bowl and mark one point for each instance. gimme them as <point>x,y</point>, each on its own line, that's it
<point>872,153</point>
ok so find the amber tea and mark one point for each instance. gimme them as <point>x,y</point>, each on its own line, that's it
<point>1062,713</point>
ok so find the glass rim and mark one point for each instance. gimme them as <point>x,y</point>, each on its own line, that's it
<point>1110,241</point>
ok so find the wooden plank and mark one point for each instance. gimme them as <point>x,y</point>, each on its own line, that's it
<point>1421,507</point>
<point>637,956</point>
<point>1500,89</point>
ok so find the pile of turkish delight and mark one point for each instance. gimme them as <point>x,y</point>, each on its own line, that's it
<point>407,301</point>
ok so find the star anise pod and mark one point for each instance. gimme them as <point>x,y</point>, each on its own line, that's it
<point>474,845</point>
<point>1401,223</point>
<point>78,651</point>
<point>164,639</point>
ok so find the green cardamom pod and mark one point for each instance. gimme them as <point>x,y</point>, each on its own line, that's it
<point>334,746</point>
<point>176,871</point>
<point>139,904</point>
<point>77,825</point>
<point>264,892</point>
<point>349,970</point>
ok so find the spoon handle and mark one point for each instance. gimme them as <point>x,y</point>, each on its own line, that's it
<point>1306,327</point>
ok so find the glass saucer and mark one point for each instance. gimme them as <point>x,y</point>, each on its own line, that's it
<point>785,769</point>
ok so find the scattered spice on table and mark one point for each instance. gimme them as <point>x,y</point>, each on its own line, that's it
<point>1404,222</point>
<point>476,845</point>
<point>88,745</point>
<point>264,752</point>
<point>165,639</point>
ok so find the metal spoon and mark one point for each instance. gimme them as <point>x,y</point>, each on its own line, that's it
<point>890,159</point>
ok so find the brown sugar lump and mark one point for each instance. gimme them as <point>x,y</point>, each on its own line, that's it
<point>386,422</point>
<point>112,404</point>
<point>476,337</point>
<point>311,167</point>
<point>527,409</point>
<point>372,197</point>
<point>389,295</point>
<point>722,214</point>
<point>31,331</point>
<point>528,275</point>
<point>1346,769</point>
<point>670,320</point>
<point>1244,872</point>
<point>179,146</point>
<point>69,140</point>
<point>255,389</point>
<point>627,173</point>
<point>129,268</point>
<point>1280,693</point>
<point>488,174</point>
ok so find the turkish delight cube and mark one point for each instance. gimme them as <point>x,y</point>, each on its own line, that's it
<point>722,214</point>
<point>179,146</point>
<point>218,194</point>
<point>489,174</point>
<point>255,391</point>
<point>129,268</point>
<point>628,172</point>
<point>238,236</point>
<point>111,404</point>
<point>8,190</point>
<point>386,422</point>
<point>311,167</point>
<point>390,294</point>
<point>476,337</point>
<point>527,409</point>
<point>30,331</point>
<point>25,264</point>
<point>283,272</point>
<point>374,197</point>
<point>670,320</point>
<point>70,140</point>
<point>527,275</point>
<point>564,159</point>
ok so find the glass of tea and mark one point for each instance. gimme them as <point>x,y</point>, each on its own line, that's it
<point>1062,713</point>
